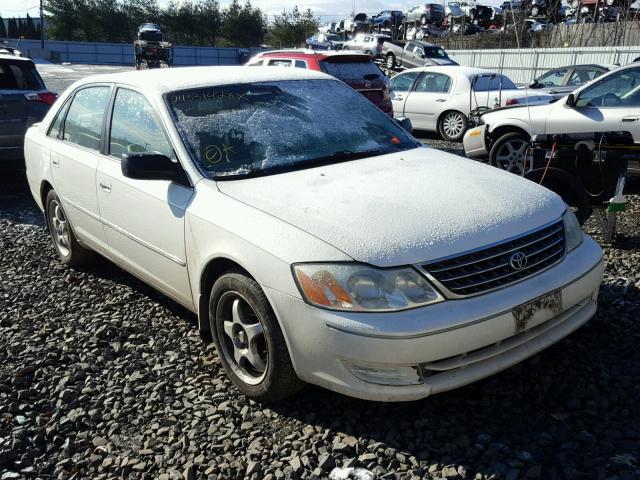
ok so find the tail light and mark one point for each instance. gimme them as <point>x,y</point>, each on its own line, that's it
<point>512,101</point>
<point>44,97</point>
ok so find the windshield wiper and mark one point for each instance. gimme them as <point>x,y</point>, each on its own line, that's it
<point>336,157</point>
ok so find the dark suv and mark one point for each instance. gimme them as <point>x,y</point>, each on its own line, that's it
<point>24,100</point>
<point>355,69</point>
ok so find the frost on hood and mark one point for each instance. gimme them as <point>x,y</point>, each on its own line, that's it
<point>351,474</point>
<point>236,129</point>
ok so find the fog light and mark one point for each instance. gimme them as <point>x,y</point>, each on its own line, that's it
<point>386,375</point>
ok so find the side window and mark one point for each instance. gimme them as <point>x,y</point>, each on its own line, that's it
<point>301,64</point>
<point>402,82</point>
<point>55,130</point>
<point>580,76</point>
<point>279,63</point>
<point>618,90</point>
<point>135,127</point>
<point>434,83</point>
<point>83,124</point>
<point>553,78</point>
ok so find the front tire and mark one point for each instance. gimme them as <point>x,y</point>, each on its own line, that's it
<point>70,252</point>
<point>452,126</point>
<point>509,151</point>
<point>249,341</point>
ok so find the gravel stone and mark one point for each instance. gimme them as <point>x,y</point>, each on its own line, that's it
<point>103,377</point>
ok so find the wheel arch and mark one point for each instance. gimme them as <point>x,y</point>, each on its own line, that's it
<point>45,188</point>
<point>213,269</point>
<point>501,130</point>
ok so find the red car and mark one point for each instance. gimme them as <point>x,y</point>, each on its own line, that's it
<point>355,69</point>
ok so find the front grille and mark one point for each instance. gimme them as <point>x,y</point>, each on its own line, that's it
<point>492,267</point>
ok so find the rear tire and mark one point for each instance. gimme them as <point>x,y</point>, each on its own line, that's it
<point>70,252</point>
<point>248,339</point>
<point>452,125</point>
<point>390,61</point>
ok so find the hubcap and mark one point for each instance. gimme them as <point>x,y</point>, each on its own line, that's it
<point>60,231</point>
<point>511,156</point>
<point>452,125</point>
<point>242,338</point>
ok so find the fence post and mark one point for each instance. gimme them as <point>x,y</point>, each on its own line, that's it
<point>535,68</point>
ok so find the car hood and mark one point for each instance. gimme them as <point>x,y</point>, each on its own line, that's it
<point>520,112</point>
<point>402,208</point>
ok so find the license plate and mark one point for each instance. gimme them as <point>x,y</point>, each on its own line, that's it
<point>537,311</point>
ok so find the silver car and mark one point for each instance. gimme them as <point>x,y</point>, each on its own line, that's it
<point>24,100</point>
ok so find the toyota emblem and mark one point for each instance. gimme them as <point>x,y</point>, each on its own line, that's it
<point>518,261</point>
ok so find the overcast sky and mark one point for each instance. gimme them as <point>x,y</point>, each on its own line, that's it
<point>325,9</point>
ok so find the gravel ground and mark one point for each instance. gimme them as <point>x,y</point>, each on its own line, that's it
<point>102,377</point>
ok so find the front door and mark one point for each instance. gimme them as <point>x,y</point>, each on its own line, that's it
<point>144,219</point>
<point>609,105</point>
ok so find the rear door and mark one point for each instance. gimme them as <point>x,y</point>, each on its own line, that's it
<point>75,152</point>
<point>144,219</point>
<point>428,99</point>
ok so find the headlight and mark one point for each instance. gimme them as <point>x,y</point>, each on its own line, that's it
<point>360,288</point>
<point>575,3</point>
<point>610,2</point>
<point>572,231</point>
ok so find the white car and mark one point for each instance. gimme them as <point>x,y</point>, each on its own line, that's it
<point>442,98</point>
<point>316,241</point>
<point>609,106</point>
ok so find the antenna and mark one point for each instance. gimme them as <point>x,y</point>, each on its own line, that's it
<point>526,86</point>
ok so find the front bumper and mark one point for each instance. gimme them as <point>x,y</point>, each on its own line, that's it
<point>415,353</point>
<point>475,142</point>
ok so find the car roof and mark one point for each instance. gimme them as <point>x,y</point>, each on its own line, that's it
<point>9,56</point>
<point>306,53</point>
<point>162,80</point>
<point>456,69</point>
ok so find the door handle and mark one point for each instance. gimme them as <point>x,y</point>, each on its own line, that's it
<point>55,163</point>
<point>441,100</point>
<point>630,119</point>
<point>106,187</point>
<point>398,97</point>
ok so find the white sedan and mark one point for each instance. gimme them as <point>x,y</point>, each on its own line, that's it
<point>316,241</point>
<point>442,98</point>
<point>604,111</point>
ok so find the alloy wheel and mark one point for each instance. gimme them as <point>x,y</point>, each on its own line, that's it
<point>60,230</point>
<point>511,155</point>
<point>242,338</point>
<point>453,124</point>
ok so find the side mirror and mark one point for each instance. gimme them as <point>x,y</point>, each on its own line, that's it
<point>405,123</point>
<point>571,101</point>
<point>151,166</point>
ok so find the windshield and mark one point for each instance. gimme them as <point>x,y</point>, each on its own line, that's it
<point>352,71</point>
<point>269,127</point>
<point>486,83</point>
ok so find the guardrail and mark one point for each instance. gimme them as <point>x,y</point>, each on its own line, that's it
<point>123,54</point>
<point>525,64</point>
